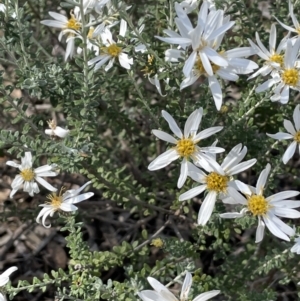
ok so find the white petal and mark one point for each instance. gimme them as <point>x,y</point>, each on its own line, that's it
<point>172,124</point>
<point>207,208</point>
<point>8,272</point>
<point>266,85</point>
<point>261,182</point>
<point>231,215</point>
<point>269,221</point>
<point>192,123</point>
<point>183,173</point>
<point>208,132</point>
<point>206,63</point>
<point>296,117</point>
<point>260,231</point>
<point>282,196</point>
<point>286,212</point>
<point>161,289</point>
<point>188,81</point>
<point>289,127</point>
<point>288,154</point>
<point>216,91</point>
<point>192,193</point>
<point>164,136</point>
<point>281,136</point>
<point>45,184</point>
<point>236,196</point>
<point>189,64</point>
<point>241,167</point>
<point>13,164</point>
<point>68,207</point>
<point>206,296</point>
<point>164,159</point>
<point>186,286</point>
<point>79,198</point>
<point>125,61</point>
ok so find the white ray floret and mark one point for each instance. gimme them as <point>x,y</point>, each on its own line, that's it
<point>63,202</point>
<point>266,209</point>
<point>288,77</point>
<point>111,50</point>
<point>4,278</point>
<point>186,145</point>
<point>29,176</point>
<point>218,183</point>
<point>161,293</point>
<point>293,133</point>
<point>273,57</point>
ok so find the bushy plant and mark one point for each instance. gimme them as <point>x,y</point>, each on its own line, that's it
<point>169,120</point>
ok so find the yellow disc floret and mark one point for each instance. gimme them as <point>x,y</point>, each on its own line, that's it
<point>157,242</point>
<point>56,200</point>
<point>297,137</point>
<point>73,23</point>
<point>27,174</point>
<point>200,68</point>
<point>185,147</point>
<point>290,77</point>
<point>90,33</point>
<point>258,205</point>
<point>112,50</point>
<point>276,58</point>
<point>216,182</point>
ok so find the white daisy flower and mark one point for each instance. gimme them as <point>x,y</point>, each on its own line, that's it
<point>211,27</point>
<point>186,146</point>
<point>63,202</point>
<point>56,130</point>
<point>111,50</point>
<point>218,183</point>
<point>296,247</point>
<point>161,293</point>
<point>288,77</point>
<point>70,27</point>
<point>4,278</point>
<point>292,134</point>
<point>267,209</point>
<point>28,176</point>
<point>236,65</point>
<point>296,28</point>
<point>273,57</point>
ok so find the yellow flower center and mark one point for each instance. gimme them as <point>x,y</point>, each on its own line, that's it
<point>157,242</point>
<point>258,205</point>
<point>290,77</point>
<point>216,182</point>
<point>27,174</point>
<point>276,58</point>
<point>185,147</point>
<point>200,68</point>
<point>73,23</point>
<point>112,50</point>
<point>56,200</point>
<point>90,33</point>
<point>297,137</point>
<point>52,124</point>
